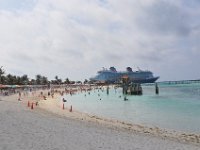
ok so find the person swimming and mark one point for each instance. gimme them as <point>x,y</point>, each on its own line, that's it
<point>125,99</point>
<point>64,100</point>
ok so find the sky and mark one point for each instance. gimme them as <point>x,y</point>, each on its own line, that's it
<point>76,38</point>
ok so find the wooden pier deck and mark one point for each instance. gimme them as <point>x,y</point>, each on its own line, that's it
<point>180,82</point>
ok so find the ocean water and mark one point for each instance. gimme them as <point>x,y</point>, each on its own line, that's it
<point>177,107</point>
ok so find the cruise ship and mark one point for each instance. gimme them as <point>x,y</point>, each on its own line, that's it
<point>111,75</point>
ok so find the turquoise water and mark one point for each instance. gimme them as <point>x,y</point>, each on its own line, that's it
<point>177,107</point>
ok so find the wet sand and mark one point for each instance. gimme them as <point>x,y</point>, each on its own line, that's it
<point>48,126</point>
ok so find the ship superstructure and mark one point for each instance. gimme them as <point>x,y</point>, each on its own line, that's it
<point>112,75</point>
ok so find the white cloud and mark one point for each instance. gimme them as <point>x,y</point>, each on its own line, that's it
<point>76,38</point>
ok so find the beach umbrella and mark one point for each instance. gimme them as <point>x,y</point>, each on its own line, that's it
<point>8,86</point>
<point>13,86</point>
<point>2,86</point>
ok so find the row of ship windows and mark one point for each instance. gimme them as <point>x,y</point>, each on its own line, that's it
<point>109,76</point>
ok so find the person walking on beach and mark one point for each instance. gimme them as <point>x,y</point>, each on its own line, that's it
<point>52,94</point>
<point>19,99</point>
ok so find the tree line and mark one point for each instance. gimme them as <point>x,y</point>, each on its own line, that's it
<point>10,79</point>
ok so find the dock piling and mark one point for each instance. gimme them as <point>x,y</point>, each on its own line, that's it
<point>156,89</point>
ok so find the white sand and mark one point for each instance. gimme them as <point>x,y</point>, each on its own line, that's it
<point>24,129</point>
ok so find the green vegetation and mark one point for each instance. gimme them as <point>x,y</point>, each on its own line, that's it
<point>25,80</point>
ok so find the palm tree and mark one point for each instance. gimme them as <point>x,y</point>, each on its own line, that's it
<point>14,78</point>
<point>9,79</point>
<point>56,77</point>
<point>38,79</point>
<point>44,80</point>
<point>2,72</point>
<point>58,81</point>
<point>3,80</point>
<point>24,79</point>
<point>67,81</point>
<point>18,80</point>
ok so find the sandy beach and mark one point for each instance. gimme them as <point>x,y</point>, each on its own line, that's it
<point>48,126</point>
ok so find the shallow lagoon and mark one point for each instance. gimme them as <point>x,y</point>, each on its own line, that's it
<point>177,107</point>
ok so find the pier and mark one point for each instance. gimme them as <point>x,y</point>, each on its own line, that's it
<point>180,82</point>
<point>131,88</point>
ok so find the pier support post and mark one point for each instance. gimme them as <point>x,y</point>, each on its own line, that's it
<point>107,90</point>
<point>156,89</point>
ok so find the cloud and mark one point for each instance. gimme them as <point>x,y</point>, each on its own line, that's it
<point>76,38</point>
<point>165,18</point>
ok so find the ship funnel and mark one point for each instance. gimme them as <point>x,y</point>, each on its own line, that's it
<point>113,69</point>
<point>129,69</point>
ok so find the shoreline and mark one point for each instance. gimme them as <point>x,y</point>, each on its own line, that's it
<point>54,105</point>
